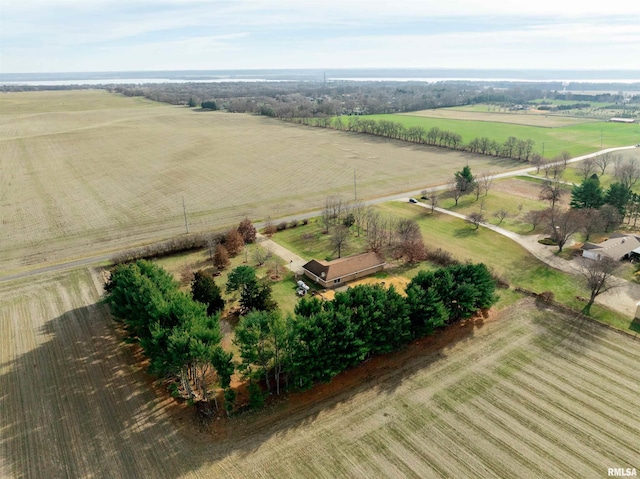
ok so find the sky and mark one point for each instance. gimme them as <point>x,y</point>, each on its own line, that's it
<point>137,35</point>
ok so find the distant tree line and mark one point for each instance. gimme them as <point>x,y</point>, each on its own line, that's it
<point>572,106</point>
<point>316,99</point>
<point>512,147</point>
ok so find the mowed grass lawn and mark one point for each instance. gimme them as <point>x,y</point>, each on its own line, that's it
<point>576,139</point>
<point>87,172</point>
<point>504,256</point>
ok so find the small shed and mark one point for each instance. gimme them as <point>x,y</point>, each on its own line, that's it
<point>331,274</point>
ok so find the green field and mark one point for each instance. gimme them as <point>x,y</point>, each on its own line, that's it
<point>577,139</point>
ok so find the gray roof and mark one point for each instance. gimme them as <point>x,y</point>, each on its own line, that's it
<point>616,247</point>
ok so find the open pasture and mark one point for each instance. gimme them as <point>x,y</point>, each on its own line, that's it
<point>577,139</point>
<point>87,172</point>
<point>527,393</point>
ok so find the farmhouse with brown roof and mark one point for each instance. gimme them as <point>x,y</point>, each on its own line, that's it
<point>618,246</point>
<point>331,274</point>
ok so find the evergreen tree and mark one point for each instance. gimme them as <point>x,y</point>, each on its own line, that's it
<point>464,179</point>
<point>240,277</point>
<point>618,196</point>
<point>588,195</point>
<point>426,309</point>
<point>253,338</point>
<point>205,290</point>
<point>256,295</point>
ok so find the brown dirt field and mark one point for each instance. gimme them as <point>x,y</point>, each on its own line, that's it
<point>516,187</point>
<point>88,172</point>
<point>524,393</point>
<point>531,117</point>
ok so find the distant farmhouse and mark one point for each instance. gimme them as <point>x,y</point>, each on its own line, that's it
<point>331,274</point>
<point>618,246</point>
<point>622,120</point>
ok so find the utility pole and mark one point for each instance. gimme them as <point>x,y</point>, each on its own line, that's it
<point>184,209</point>
<point>542,150</point>
<point>601,139</point>
<point>355,190</point>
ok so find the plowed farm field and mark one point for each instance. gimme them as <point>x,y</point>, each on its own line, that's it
<point>88,172</point>
<point>527,392</point>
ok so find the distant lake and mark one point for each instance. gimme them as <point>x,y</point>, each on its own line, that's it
<point>560,77</point>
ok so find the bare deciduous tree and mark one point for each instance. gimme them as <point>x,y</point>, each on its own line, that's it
<point>602,161</point>
<point>501,214</point>
<point>551,191</point>
<point>536,160</point>
<point>610,216</point>
<point>598,275</point>
<point>487,180</point>
<point>375,231</point>
<point>359,212</point>
<point>339,238</point>
<point>478,188</point>
<point>563,225</point>
<point>432,195</point>
<point>409,243</point>
<point>456,191</point>
<point>261,255</point>
<point>586,168</point>
<point>536,218</point>
<point>475,219</point>
<point>628,173</point>
<point>592,221</point>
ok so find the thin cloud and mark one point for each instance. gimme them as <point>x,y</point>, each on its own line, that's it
<point>119,34</point>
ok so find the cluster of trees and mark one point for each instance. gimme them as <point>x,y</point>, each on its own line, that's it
<point>572,106</point>
<point>512,147</point>
<point>230,244</point>
<point>227,243</point>
<point>592,209</point>
<point>604,209</point>
<point>387,236</point>
<point>324,338</point>
<point>205,105</point>
<point>255,294</point>
<point>179,335</point>
<point>289,99</point>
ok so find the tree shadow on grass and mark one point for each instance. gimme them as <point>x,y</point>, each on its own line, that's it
<point>465,232</point>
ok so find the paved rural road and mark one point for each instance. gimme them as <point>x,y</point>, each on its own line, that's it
<point>90,260</point>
